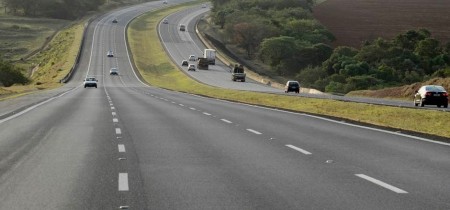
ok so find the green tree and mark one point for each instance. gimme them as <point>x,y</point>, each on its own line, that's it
<point>9,75</point>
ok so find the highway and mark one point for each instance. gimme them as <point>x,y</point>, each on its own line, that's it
<point>126,145</point>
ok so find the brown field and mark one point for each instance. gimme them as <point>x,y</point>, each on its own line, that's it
<point>354,21</point>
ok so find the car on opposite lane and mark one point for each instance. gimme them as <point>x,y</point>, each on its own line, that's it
<point>191,67</point>
<point>184,63</point>
<point>431,95</point>
<point>292,86</point>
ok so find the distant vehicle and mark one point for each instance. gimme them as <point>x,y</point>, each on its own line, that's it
<point>113,71</point>
<point>90,81</point>
<point>165,2</point>
<point>292,86</point>
<point>166,21</point>
<point>184,63</point>
<point>115,21</point>
<point>203,64</point>
<point>182,27</point>
<point>191,67</point>
<point>110,54</point>
<point>203,5</point>
<point>237,73</point>
<point>431,95</point>
<point>192,58</point>
<point>210,55</point>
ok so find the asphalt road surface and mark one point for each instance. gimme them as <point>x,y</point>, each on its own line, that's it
<point>125,145</point>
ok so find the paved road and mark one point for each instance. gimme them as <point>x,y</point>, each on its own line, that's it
<point>125,144</point>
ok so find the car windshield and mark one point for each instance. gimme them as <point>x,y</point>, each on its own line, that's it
<point>90,79</point>
<point>434,89</point>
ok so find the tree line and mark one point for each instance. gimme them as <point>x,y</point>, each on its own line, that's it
<point>284,34</point>
<point>60,9</point>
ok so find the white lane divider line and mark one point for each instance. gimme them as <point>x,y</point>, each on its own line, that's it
<point>380,183</point>
<point>253,131</point>
<point>112,108</point>
<point>192,108</point>
<point>118,131</point>
<point>121,148</point>
<point>114,114</point>
<point>181,104</point>
<point>299,149</point>
<point>123,182</point>
<point>173,102</point>
<point>115,120</point>
<point>206,113</point>
<point>227,121</point>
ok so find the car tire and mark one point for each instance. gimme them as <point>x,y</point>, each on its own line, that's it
<point>422,104</point>
<point>445,105</point>
<point>415,104</point>
<point>85,86</point>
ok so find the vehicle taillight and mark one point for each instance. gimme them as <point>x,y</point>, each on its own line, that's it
<point>428,93</point>
<point>445,94</point>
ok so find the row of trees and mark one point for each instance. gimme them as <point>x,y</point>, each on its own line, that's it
<point>410,57</point>
<point>61,9</point>
<point>248,23</point>
<point>283,34</point>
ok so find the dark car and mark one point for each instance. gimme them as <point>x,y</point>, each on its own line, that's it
<point>184,63</point>
<point>292,86</point>
<point>115,21</point>
<point>431,95</point>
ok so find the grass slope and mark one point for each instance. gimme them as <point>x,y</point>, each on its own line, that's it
<point>156,68</point>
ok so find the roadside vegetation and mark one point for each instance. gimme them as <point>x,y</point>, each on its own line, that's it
<point>156,68</point>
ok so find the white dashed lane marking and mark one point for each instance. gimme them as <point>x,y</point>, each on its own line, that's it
<point>181,104</point>
<point>380,183</point>
<point>253,131</point>
<point>114,114</point>
<point>206,113</point>
<point>118,131</point>
<point>192,108</point>
<point>121,147</point>
<point>299,149</point>
<point>227,121</point>
<point>123,182</point>
<point>115,120</point>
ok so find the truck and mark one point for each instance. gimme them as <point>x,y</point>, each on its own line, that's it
<point>237,72</point>
<point>202,63</point>
<point>210,55</point>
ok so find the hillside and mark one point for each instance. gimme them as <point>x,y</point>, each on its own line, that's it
<point>354,21</point>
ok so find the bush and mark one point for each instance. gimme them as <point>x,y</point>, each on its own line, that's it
<point>9,75</point>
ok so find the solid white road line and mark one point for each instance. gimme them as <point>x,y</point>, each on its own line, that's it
<point>253,131</point>
<point>115,120</point>
<point>298,149</point>
<point>118,131</point>
<point>121,147</point>
<point>227,121</point>
<point>206,113</point>
<point>123,182</point>
<point>380,183</point>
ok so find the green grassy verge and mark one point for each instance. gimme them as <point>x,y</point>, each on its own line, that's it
<point>156,68</point>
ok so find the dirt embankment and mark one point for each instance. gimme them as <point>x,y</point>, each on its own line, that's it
<point>355,21</point>
<point>403,92</point>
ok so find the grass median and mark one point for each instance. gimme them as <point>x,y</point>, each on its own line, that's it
<point>158,70</point>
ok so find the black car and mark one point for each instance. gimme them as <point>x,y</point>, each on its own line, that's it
<point>292,86</point>
<point>431,95</point>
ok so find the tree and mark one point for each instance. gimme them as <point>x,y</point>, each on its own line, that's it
<point>274,50</point>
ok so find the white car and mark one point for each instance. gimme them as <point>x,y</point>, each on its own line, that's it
<point>110,53</point>
<point>166,21</point>
<point>191,67</point>
<point>192,58</point>
<point>113,71</point>
<point>90,81</point>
